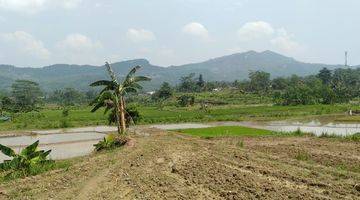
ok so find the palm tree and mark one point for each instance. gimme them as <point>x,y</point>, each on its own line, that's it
<point>112,96</point>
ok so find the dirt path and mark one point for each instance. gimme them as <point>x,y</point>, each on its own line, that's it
<point>173,166</point>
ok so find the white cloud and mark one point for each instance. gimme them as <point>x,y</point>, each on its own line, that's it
<point>140,35</point>
<point>25,44</point>
<point>69,4</point>
<point>28,6</point>
<point>80,49</point>
<point>255,30</point>
<point>284,41</point>
<point>262,35</point>
<point>196,29</point>
<point>33,6</point>
<point>240,3</point>
<point>79,43</point>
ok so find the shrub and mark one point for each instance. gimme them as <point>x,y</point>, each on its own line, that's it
<point>132,115</point>
<point>28,162</point>
<point>111,141</point>
<point>186,100</point>
<point>165,92</point>
<point>354,137</point>
<point>64,122</point>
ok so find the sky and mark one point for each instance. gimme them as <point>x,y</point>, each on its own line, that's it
<point>36,33</point>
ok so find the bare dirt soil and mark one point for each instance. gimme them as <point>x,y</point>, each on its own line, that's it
<point>174,166</point>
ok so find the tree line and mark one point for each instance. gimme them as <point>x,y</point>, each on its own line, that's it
<point>325,87</point>
<point>27,96</point>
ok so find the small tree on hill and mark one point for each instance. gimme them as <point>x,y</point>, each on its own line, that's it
<point>114,93</point>
<point>259,81</point>
<point>325,75</point>
<point>201,83</point>
<point>165,92</point>
<point>26,95</point>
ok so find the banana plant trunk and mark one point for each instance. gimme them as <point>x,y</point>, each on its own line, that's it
<point>122,115</point>
<point>117,113</point>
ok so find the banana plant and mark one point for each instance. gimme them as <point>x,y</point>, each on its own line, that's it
<point>115,92</point>
<point>27,158</point>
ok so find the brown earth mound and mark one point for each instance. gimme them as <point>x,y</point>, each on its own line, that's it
<point>174,166</point>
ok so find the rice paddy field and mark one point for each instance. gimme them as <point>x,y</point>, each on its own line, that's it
<point>51,117</point>
<point>224,131</point>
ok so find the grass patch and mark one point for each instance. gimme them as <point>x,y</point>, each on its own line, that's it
<point>354,137</point>
<point>226,131</point>
<point>240,144</point>
<point>297,133</point>
<point>34,170</point>
<point>302,156</point>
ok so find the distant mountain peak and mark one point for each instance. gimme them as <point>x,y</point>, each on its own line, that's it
<point>226,68</point>
<point>264,55</point>
<point>141,62</point>
<point>274,54</point>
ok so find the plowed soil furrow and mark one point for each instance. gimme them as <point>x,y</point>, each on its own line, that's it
<point>173,166</point>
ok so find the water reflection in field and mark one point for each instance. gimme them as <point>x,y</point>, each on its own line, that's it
<point>316,127</point>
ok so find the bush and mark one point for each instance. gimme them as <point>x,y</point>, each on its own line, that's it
<point>64,122</point>
<point>165,92</point>
<point>186,100</point>
<point>132,115</point>
<point>111,141</point>
<point>355,137</point>
<point>29,161</point>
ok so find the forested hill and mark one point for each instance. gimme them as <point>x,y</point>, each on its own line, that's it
<point>229,68</point>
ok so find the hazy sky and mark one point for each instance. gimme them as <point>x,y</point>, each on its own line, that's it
<point>172,32</point>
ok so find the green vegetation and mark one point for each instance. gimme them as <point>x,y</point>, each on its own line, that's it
<point>165,92</point>
<point>226,131</point>
<point>51,117</point>
<point>327,87</point>
<point>70,97</point>
<point>193,100</point>
<point>240,144</point>
<point>354,137</point>
<point>111,141</point>
<point>186,100</point>
<point>112,96</point>
<point>29,161</point>
<point>25,97</point>
<point>172,114</point>
<point>303,156</point>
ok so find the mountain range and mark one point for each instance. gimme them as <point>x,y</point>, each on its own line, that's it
<point>226,68</point>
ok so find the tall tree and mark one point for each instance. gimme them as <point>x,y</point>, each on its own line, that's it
<point>325,75</point>
<point>71,96</point>
<point>279,83</point>
<point>187,83</point>
<point>200,83</point>
<point>26,95</point>
<point>164,92</point>
<point>259,81</point>
<point>115,92</point>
